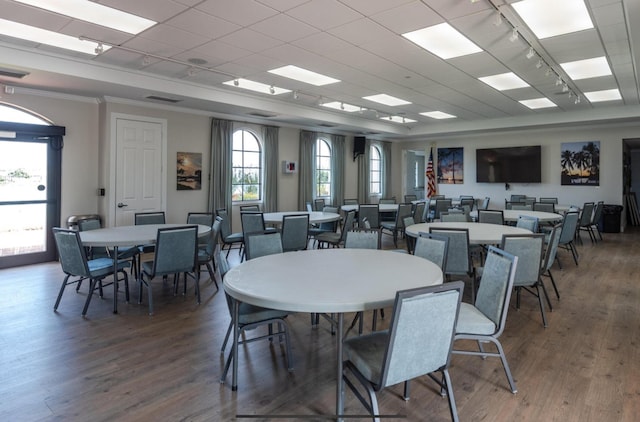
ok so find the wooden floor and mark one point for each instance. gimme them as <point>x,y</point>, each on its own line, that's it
<point>132,367</point>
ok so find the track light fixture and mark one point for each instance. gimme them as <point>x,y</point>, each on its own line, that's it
<point>539,64</point>
<point>272,90</point>
<point>498,20</point>
<point>295,95</point>
<point>548,72</point>
<point>565,87</point>
<point>514,35</point>
<point>146,60</point>
<point>577,100</point>
<point>99,48</point>
<point>341,106</point>
<point>559,81</point>
<point>531,53</point>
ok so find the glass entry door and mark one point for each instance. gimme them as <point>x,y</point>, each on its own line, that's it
<point>28,201</point>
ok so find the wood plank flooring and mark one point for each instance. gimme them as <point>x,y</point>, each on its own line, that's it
<point>59,366</point>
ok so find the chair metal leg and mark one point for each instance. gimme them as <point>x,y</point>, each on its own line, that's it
<point>452,401</point>
<point>540,293</point>
<point>64,284</point>
<point>92,286</point>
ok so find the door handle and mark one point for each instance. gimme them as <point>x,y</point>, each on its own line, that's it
<point>121,205</point>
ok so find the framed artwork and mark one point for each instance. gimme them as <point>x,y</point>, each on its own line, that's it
<point>189,170</point>
<point>451,165</point>
<point>580,163</point>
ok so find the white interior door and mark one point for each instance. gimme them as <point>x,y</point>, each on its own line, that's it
<point>139,169</point>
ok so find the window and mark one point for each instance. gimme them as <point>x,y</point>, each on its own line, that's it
<point>375,170</point>
<point>246,183</point>
<point>323,169</point>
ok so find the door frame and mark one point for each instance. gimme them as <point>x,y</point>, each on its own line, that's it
<point>113,142</point>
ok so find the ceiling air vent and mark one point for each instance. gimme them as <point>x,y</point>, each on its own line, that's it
<point>165,99</point>
<point>11,73</point>
<point>261,114</point>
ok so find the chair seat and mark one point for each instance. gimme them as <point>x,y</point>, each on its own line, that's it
<point>249,314</point>
<point>100,267</point>
<point>389,225</point>
<point>330,237</point>
<point>367,353</point>
<point>472,321</point>
<point>234,237</point>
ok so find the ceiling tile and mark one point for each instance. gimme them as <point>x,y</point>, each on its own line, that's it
<point>282,5</point>
<point>157,10</point>
<point>251,40</point>
<point>284,28</point>
<point>368,7</point>
<point>203,24</point>
<point>324,14</point>
<point>240,12</point>
<point>173,36</point>
<point>361,31</point>
<point>408,17</point>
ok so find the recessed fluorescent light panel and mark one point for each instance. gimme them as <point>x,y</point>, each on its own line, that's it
<point>438,115</point>
<point>398,119</point>
<point>549,18</point>
<point>42,36</point>
<point>256,86</point>
<point>303,75</point>
<point>589,68</point>
<point>606,95</point>
<point>341,106</point>
<point>504,81</point>
<point>538,103</point>
<point>95,13</point>
<point>386,100</point>
<point>443,40</point>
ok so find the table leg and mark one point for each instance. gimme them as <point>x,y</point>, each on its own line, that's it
<point>339,385</point>
<point>234,351</point>
<point>115,280</point>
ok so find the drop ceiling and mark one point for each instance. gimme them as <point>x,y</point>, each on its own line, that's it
<point>184,59</point>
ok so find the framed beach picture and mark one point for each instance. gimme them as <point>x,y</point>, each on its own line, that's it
<point>451,165</point>
<point>580,163</point>
<point>189,171</point>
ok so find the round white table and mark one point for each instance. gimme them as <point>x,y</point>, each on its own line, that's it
<point>315,217</point>
<point>121,236</point>
<point>479,233</point>
<point>327,281</point>
<point>381,207</point>
<point>512,215</point>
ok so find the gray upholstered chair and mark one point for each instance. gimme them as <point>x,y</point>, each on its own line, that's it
<point>567,235</point>
<point>418,343</point>
<point>595,221</point>
<point>467,201</point>
<point>433,248</point>
<point>419,215</point>
<point>76,266</point>
<point>208,251</point>
<point>154,217</point>
<point>527,222</point>
<point>409,198</point>
<point>517,198</point>
<point>333,238</point>
<point>370,212</point>
<point>586,221</point>
<point>250,316</point>
<point>449,217</point>
<point>228,237</point>
<point>327,227</point>
<point>544,206</point>
<point>442,205</point>
<point>350,201</point>
<point>203,218</point>
<point>548,200</point>
<point>93,252</point>
<point>485,203</point>
<point>362,238</point>
<point>295,232</point>
<point>491,216</point>
<point>396,227</point>
<point>250,208</point>
<point>484,321</point>
<point>529,250</point>
<point>459,261</point>
<point>318,204</point>
<point>550,255</point>
<point>176,252</point>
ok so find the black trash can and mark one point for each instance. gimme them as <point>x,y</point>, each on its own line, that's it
<point>610,220</point>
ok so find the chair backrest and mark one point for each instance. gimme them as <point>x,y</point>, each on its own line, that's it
<point>448,217</point>
<point>528,222</point>
<point>387,200</point>
<point>441,205</point>
<point>458,258</point>
<point>372,214</point>
<point>222,265</point>
<point>295,232</point>
<point>156,217</point>
<point>548,200</point>
<point>569,227</point>
<point>491,216</point>
<point>409,198</point>
<point>529,200</point>
<point>351,201</point>
<point>552,248</point>
<point>432,247</point>
<point>485,203</point>
<point>597,212</point>
<point>204,218</point>
<point>318,204</point>
<point>421,332</point>
<point>259,244</point>
<point>515,205</point>
<point>92,224</point>
<point>404,210</point>
<point>73,258</point>
<point>467,201</point>
<point>254,207</point>
<point>418,212</point>
<point>214,237</point>
<point>252,222</point>
<point>517,198</point>
<point>529,250</point>
<point>330,225</point>
<point>309,207</point>
<point>522,207</point>
<point>408,221</point>
<point>363,239</point>
<point>225,225</point>
<point>544,206</point>
<point>496,284</point>
<point>586,215</point>
<point>176,250</point>
<point>347,225</point>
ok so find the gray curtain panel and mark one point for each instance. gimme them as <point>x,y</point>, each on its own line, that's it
<point>364,174</point>
<point>337,169</point>
<point>386,173</point>
<point>270,182</point>
<point>221,145</point>
<point>305,168</point>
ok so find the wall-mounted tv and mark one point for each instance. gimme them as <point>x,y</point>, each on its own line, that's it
<point>508,165</point>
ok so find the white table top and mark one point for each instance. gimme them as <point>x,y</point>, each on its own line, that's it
<point>382,207</point>
<point>479,233</point>
<point>315,217</point>
<point>329,280</point>
<point>130,235</point>
<point>512,215</point>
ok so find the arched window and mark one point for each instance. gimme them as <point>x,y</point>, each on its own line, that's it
<point>323,169</point>
<point>247,167</point>
<point>375,170</point>
<point>16,115</point>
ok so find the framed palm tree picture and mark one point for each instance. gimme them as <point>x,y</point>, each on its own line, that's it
<point>451,165</point>
<point>580,163</point>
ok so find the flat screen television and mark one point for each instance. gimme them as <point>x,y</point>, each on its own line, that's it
<point>508,165</point>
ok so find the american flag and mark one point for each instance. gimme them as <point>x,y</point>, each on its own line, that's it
<point>431,177</point>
